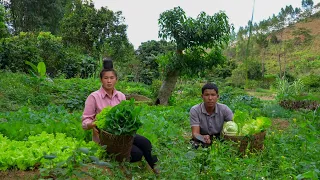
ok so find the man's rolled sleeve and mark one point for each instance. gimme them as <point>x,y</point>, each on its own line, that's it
<point>89,112</point>
<point>194,117</point>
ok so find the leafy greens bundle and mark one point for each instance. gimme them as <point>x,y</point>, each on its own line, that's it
<point>122,119</point>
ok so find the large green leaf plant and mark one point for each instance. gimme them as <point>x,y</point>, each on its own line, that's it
<point>122,119</point>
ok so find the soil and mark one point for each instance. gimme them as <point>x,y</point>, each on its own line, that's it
<point>313,25</point>
<point>262,97</point>
<point>280,124</point>
<point>137,97</point>
<point>16,174</point>
<point>35,174</point>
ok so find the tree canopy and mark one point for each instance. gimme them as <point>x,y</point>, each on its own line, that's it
<point>97,31</point>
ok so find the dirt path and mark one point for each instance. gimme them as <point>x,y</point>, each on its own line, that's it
<point>262,96</point>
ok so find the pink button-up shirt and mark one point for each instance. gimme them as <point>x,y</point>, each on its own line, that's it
<point>95,102</point>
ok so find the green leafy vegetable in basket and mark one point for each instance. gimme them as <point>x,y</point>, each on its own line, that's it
<point>263,123</point>
<point>230,128</point>
<point>122,119</point>
<point>246,125</point>
<point>101,117</point>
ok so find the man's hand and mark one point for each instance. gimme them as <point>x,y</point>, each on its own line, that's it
<point>207,139</point>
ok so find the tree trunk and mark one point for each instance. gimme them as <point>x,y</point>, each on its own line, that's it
<point>262,62</point>
<point>285,65</point>
<point>167,88</point>
<point>279,61</point>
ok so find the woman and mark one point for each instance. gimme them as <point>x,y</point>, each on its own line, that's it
<point>107,95</point>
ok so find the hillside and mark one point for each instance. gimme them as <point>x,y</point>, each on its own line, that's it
<point>313,25</point>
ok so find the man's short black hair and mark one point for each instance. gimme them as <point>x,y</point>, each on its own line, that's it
<point>210,86</point>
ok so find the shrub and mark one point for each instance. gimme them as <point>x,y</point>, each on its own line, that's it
<point>311,81</point>
<point>44,47</point>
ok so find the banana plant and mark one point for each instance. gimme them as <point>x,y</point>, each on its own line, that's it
<point>38,71</point>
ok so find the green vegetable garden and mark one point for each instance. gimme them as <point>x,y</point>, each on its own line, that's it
<point>49,67</point>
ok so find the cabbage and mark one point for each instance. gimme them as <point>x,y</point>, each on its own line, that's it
<point>263,123</point>
<point>230,128</point>
<point>249,129</point>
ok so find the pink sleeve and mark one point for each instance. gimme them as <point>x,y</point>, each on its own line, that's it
<point>122,97</point>
<point>89,112</point>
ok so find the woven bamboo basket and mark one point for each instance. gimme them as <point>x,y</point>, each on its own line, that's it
<point>118,145</point>
<point>255,142</point>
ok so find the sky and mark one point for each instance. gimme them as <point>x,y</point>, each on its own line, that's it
<point>142,16</point>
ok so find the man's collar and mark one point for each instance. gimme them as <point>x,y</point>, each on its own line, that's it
<point>204,111</point>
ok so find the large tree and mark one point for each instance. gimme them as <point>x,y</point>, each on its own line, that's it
<point>3,26</point>
<point>262,41</point>
<point>96,31</point>
<point>36,15</point>
<point>199,45</point>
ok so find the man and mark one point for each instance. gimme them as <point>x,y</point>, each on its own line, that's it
<point>208,117</point>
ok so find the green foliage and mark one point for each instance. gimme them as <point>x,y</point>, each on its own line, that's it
<point>97,32</point>
<point>195,37</point>
<point>286,90</point>
<point>222,70</point>
<point>3,28</point>
<point>37,15</point>
<point>122,119</point>
<point>207,31</point>
<point>101,118</point>
<point>39,70</point>
<point>249,126</point>
<point>26,154</point>
<point>74,165</point>
<point>289,153</point>
<point>148,53</point>
<point>250,69</point>
<point>46,48</point>
<point>18,125</point>
<point>273,110</point>
<point>268,81</point>
<point>302,35</point>
<point>311,81</point>
<point>155,86</point>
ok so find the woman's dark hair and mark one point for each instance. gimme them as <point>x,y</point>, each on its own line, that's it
<point>107,66</point>
<point>210,86</point>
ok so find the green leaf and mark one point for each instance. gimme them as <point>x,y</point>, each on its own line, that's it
<point>94,158</point>
<point>49,156</point>
<point>102,163</point>
<point>84,150</point>
<point>42,69</point>
<point>34,67</point>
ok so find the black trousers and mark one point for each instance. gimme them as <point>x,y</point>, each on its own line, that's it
<point>142,147</point>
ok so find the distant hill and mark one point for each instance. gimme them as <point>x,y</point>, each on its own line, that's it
<point>312,24</point>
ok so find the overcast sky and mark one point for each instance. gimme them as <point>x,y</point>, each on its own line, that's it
<point>142,16</point>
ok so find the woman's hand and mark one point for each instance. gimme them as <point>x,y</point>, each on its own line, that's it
<point>95,130</point>
<point>92,125</point>
<point>207,139</point>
